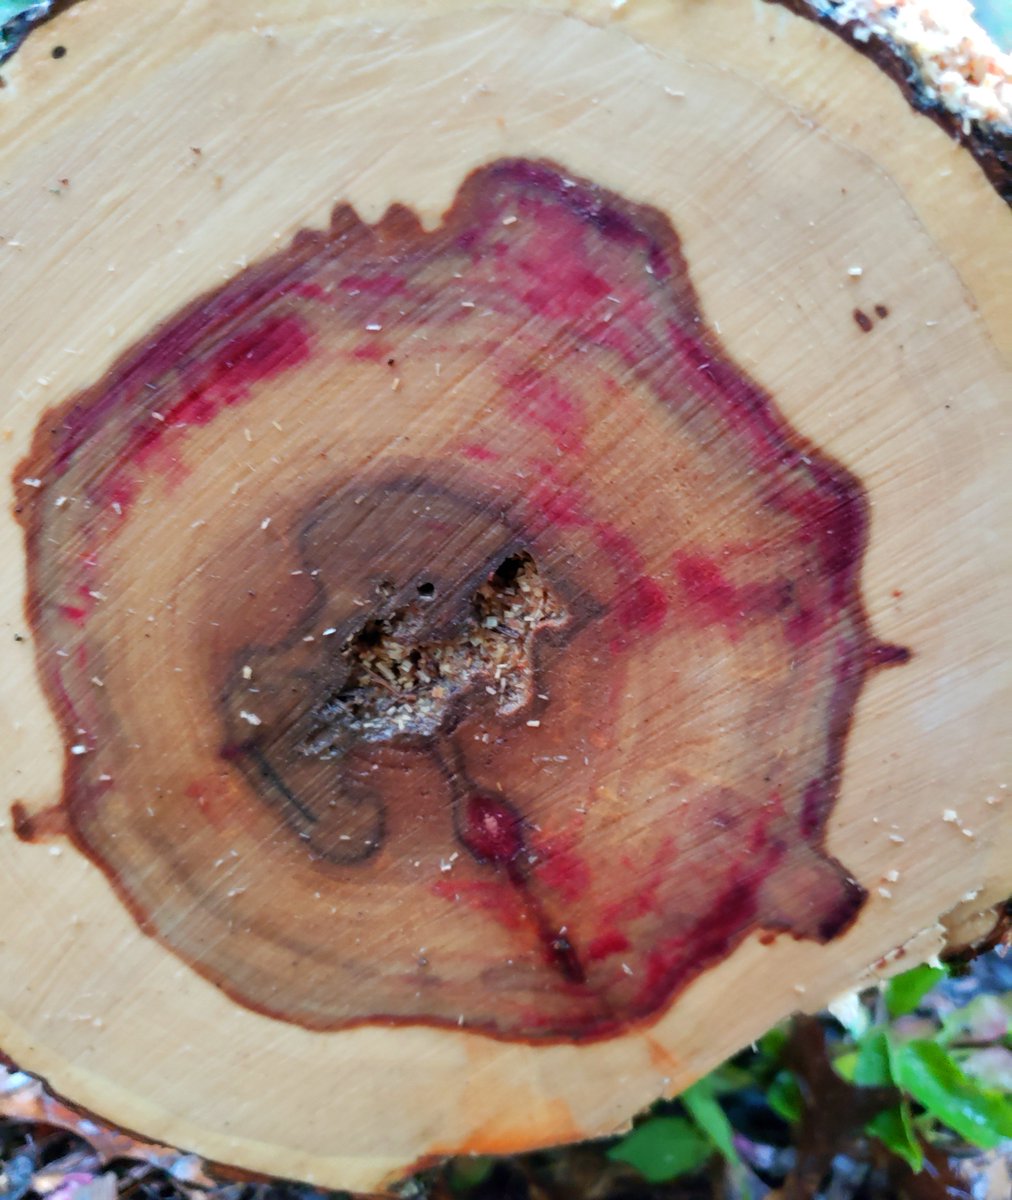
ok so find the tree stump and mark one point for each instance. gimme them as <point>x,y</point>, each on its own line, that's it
<point>508,550</point>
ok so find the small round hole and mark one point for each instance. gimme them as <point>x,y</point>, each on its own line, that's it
<point>426,590</point>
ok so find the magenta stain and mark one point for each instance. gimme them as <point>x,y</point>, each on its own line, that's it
<point>640,603</point>
<point>491,830</point>
<point>543,402</point>
<point>371,351</point>
<point>711,599</point>
<point>383,285</point>
<point>560,867</point>
<point>479,453</point>
<point>607,944</point>
<point>882,654</point>
<point>245,361</point>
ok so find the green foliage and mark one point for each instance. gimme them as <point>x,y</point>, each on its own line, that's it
<point>873,1064</point>
<point>904,992</point>
<point>701,1103</point>
<point>468,1172</point>
<point>928,1073</point>
<point>892,1042</point>
<point>925,1072</point>
<point>895,1128</point>
<point>663,1148</point>
<point>784,1096</point>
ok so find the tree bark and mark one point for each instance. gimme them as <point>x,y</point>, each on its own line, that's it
<point>506,561</point>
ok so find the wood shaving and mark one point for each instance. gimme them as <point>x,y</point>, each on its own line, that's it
<point>400,683</point>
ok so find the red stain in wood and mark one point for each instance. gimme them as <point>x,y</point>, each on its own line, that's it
<point>606,944</point>
<point>120,495</point>
<point>640,603</point>
<point>311,291</point>
<point>213,796</point>
<point>247,359</point>
<point>662,1058</point>
<point>882,654</point>
<point>479,453</point>
<point>560,867</point>
<point>582,290</point>
<point>710,598</point>
<point>545,403</point>
<point>371,351</point>
<point>642,606</point>
<point>644,899</point>
<point>240,363</point>
<point>382,285</point>
<point>46,825</point>
<point>492,829</point>
<point>498,899</point>
<point>716,931</point>
<point>707,589</point>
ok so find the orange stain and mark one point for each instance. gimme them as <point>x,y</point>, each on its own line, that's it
<point>550,1123</point>
<point>662,1058</point>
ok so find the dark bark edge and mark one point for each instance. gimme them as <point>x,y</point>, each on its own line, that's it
<point>991,147</point>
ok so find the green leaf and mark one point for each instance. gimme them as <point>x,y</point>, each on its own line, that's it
<point>904,992</point>
<point>773,1043</point>
<point>845,1065</point>
<point>873,1066</point>
<point>468,1171</point>
<point>709,1116</point>
<point>663,1148</point>
<point>930,1075</point>
<point>730,1078</point>
<point>895,1128</point>
<point>784,1096</point>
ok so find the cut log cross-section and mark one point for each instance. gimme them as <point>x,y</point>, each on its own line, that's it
<point>507,518</point>
<point>471,621</point>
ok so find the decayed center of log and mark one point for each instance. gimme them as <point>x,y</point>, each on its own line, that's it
<point>401,684</point>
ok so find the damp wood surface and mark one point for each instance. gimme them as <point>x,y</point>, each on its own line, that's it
<point>506,554</point>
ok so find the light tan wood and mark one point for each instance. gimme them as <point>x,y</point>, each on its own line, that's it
<point>785,163</point>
